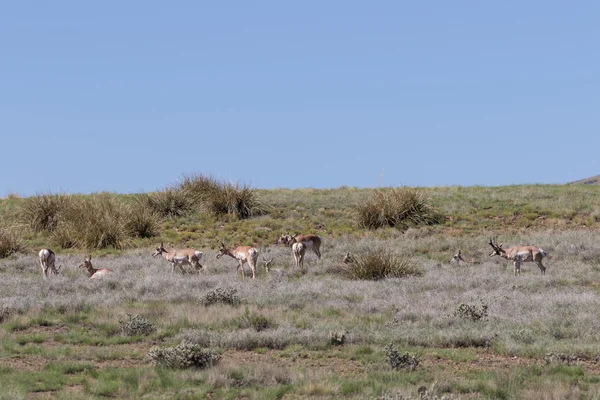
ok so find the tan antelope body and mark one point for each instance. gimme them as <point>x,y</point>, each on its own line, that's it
<point>48,262</point>
<point>180,257</point>
<point>243,254</point>
<point>520,254</point>
<point>94,273</point>
<point>309,241</point>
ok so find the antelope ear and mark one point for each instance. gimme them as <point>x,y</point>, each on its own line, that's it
<point>90,257</point>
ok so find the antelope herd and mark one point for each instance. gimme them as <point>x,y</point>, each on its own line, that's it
<point>298,244</point>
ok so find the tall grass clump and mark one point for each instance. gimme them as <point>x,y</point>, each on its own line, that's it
<point>94,222</point>
<point>142,220</point>
<point>398,207</point>
<point>168,203</point>
<point>219,198</point>
<point>43,212</point>
<point>10,242</point>
<point>381,264</point>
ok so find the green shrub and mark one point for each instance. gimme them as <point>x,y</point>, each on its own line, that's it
<point>256,321</point>
<point>167,203</point>
<point>43,212</point>
<point>381,264</point>
<point>136,326</point>
<point>222,296</point>
<point>10,242</point>
<point>398,207</point>
<point>399,360</point>
<point>184,355</point>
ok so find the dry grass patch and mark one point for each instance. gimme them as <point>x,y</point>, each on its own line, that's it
<point>398,207</point>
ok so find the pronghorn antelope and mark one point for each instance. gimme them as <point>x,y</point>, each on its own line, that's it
<point>519,254</point>
<point>48,260</point>
<point>243,254</point>
<point>348,258</point>
<point>93,272</point>
<point>310,241</point>
<point>180,257</point>
<point>298,250</point>
<point>457,259</point>
<point>277,273</point>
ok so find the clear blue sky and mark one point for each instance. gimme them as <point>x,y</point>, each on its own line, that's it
<point>129,96</point>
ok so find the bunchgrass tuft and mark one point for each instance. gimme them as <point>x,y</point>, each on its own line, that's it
<point>184,355</point>
<point>168,203</point>
<point>381,264</point>
<point>219,198</point>
<point>141,220</point>
<point>398,207</point>
<point>11,242</point>
<point>94,222</point>
<point>43,212</point>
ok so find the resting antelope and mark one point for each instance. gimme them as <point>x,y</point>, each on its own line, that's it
<point>180,257</point>
<point>48,260</point>
<point>243,254</point>
<point>519,254</point>
<point>457,259</point>
<point>309,241</point>
<point>93,272</point>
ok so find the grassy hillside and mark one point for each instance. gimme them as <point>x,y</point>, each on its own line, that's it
<point>464,331</point>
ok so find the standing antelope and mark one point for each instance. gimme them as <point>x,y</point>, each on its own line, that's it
<point>48,260</point>
<point>519,254</point>
<point>93,272</point>
<point>243,254</point>
<point>310,241</point>
<point>180,257</point>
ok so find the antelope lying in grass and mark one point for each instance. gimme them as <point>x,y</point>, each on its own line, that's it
<point>299,244</point>
<point>457,259</point>
<point>180,257</point>
<point>48,261</point>
<point>519,254</point>
<point>277,273</point>
<point>243,254</point>
<point>94,273</point>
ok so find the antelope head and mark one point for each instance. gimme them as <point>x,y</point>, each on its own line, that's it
<point>222,251</point>
<point>159,250</point>
<point>347,259</point>
<point>284,239</point>
<point>498,250</point>
<point>87,263</point>
<point>268,264</point>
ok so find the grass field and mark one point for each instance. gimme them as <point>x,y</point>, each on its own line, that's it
<point>475,330</point>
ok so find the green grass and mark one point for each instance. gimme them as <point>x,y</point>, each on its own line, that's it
<point>63,338</point>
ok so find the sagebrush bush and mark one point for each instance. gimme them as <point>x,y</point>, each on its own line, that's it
<point>43,212</point>
<point>11,242</point>
<point>136,326</point>
<point>222,296</point>
<point>398,207</point>
<point>474,312</point>
<point>381,264</point>
<point>169,202</point>
<point>184,355</point>
<point>399,360</point>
